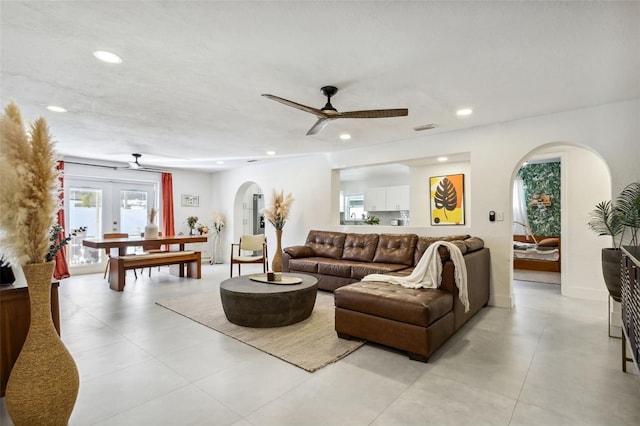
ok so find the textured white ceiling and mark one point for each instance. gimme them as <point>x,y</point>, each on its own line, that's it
<point>188,91</point>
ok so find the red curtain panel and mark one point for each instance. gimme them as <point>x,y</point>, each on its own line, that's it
<point>167,204</point>
<point>62,268</point>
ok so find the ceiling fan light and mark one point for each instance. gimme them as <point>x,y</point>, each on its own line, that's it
<point>134,164</point>
<point>329,109</point>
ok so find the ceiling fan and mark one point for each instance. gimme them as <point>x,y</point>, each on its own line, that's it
<point>135,164</point>
<point>328,112</point>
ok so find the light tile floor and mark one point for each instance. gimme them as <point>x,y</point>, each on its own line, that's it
<point>549,361</point>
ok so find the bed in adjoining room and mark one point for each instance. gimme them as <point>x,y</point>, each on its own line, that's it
<point>541,253</point>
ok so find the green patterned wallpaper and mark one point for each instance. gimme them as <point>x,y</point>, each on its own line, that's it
<point>543,178</point>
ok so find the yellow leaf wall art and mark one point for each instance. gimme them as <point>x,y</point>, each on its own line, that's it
<point>447,199</point>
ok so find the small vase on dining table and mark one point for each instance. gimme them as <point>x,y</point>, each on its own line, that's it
<point>150,231</point>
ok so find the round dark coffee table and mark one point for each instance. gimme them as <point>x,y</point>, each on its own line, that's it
<point>258,304</point>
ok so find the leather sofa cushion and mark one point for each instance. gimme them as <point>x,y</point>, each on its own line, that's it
<point>396,248</point>
<point>424,243</point>
<point>305,264</point>
<point>361,270</point>
<point>299,251</point>
<point>474,244</point>
<point>360,247</point>
<point>326,243</point>
<point>341,268</point>
<point>334,267</point>
<point>413,306</point>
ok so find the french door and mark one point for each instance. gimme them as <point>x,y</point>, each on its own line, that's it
<point>103,207</point>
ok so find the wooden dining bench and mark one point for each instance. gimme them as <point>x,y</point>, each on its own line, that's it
<point>184,259</point>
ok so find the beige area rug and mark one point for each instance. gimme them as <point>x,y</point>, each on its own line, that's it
<point>310,344</point>
<point>536,276</point>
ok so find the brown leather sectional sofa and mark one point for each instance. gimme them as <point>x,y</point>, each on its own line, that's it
<point>414,320</point>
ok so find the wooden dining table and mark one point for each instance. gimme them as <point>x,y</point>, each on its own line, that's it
<point>121,244</point>
<point>118,248</point>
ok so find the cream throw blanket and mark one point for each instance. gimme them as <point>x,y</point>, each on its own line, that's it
<point>428,272</point>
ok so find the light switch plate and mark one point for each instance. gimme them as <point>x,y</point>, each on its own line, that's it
<point>499,215</point>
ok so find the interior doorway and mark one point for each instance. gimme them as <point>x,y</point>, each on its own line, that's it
<point>537,219</point>
<point>584,180</point>
<point>248,203</point>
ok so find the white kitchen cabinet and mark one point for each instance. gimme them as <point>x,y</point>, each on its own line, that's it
<point>386,199</point>
<point>375,199</point>
<point>397,198</point>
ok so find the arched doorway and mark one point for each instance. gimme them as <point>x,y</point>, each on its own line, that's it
<point>248,202</point>
<point>585,180</point>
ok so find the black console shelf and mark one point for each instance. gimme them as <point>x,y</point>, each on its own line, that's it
<point>630,277</point>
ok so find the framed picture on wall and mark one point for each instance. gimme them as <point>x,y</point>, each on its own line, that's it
<point>446,198</point>
<point>190,200</point>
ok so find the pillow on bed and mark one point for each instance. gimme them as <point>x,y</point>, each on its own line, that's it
<point>549,242</point>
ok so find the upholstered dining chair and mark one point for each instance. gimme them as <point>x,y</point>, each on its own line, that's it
<point>250,249</point>
<point>106,236</point>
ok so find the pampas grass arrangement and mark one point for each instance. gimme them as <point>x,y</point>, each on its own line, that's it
<point>218,221</point>
<point>152,215</point>
<point>29,190</point>
<point>279,212</point>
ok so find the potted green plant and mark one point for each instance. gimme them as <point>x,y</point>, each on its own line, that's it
<point>615,219</point>
<point>372,220</point>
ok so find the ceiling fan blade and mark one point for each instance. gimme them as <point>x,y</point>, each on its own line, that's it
<point>296,105</point>
<point>375,113</point>
<point>320,124</point>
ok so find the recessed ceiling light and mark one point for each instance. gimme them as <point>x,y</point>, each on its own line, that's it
<point>441,159</point>
<point>345,136</point>
<point>56,108</point>
<point>271,153</point>
<point>109,57</point>
<point>464,111</point>
<point>219,162</point>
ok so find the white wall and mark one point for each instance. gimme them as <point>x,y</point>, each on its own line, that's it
<point>496,152</point>
<point>307,178</point>
<point>587,182</point>
<point>191,183</point>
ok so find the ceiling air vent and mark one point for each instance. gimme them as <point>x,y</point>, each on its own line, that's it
<point>424,127</point>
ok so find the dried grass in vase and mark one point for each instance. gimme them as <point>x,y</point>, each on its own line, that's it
<point>29,190</point>
<point>279,212</point>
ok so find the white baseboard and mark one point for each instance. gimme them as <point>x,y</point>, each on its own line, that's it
<point>584,293</point>
<point>500,301</point>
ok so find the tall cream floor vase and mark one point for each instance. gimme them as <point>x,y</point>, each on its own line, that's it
<point>43,385</point>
